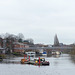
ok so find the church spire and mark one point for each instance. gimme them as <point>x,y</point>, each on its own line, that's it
<point>56,41</point>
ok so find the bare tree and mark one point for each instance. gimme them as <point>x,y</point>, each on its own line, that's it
<point>30,40</point>
<point>20,36</point>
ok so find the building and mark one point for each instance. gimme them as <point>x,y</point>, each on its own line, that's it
<point>2,51</point>
<point>1,42</point>
<point>19,47</point>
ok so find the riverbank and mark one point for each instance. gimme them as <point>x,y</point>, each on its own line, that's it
<point>9,56</point>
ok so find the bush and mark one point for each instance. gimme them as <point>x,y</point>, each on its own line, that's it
<point>2,56</point>
<point>73,51</point>
<point>17,54</point>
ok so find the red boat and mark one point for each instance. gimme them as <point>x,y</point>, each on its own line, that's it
<point>40,61</point>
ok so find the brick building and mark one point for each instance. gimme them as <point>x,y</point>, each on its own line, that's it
<point>19,47</point>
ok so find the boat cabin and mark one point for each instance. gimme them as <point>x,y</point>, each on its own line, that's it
<point>31,54</point>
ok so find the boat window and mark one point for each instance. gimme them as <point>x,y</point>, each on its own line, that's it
<point>42,59</point>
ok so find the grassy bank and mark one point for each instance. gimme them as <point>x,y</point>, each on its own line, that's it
<point>2,56</point>
<point>72,52</point>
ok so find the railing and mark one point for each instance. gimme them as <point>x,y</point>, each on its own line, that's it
<point>52,48</point>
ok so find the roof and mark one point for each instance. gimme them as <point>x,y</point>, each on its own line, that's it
<point>44,52</point>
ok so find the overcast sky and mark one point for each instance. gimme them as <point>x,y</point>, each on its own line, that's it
<point>39,19</point>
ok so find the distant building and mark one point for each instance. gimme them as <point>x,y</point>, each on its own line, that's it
<point>1,42</point>
<point>56,41</point>
<point>40,45</point>
<point>60,44</point>
<point>2,51</point>
<point>19,47</point>
<point>26,42</point>
<point>4,43</point>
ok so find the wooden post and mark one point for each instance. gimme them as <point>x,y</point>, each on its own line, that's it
<point>39,60</point>
<point>29,58</point>
<point>24,56</point>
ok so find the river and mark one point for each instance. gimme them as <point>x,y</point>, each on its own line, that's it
<point>60,65</point>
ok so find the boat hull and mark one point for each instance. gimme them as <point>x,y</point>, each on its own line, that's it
<point>34,63</point>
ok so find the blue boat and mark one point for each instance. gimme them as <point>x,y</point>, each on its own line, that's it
<point>44,53</point>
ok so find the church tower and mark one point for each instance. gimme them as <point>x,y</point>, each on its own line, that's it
<point>56,41</point>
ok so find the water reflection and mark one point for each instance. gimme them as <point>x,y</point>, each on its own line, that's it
<point>56,56</point>
<point>17,60</point>
<point>56,60</point>
<point>72,58</point>
<point>11,61</point>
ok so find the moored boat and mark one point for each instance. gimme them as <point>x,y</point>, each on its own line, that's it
<point>56,52</point>
<point>39,61</point>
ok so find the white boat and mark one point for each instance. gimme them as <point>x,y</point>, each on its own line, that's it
<point>44,53</point>
<point>56,52</point>
<point>31,54</point>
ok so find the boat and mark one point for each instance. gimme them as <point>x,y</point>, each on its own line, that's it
<point>31,54</point>
<point>38,61</point>
<point>56,52</point>
<point>44,53</point>
<point>41,61</point>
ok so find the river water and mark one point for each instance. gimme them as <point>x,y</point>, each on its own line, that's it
<point>59,65</point>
